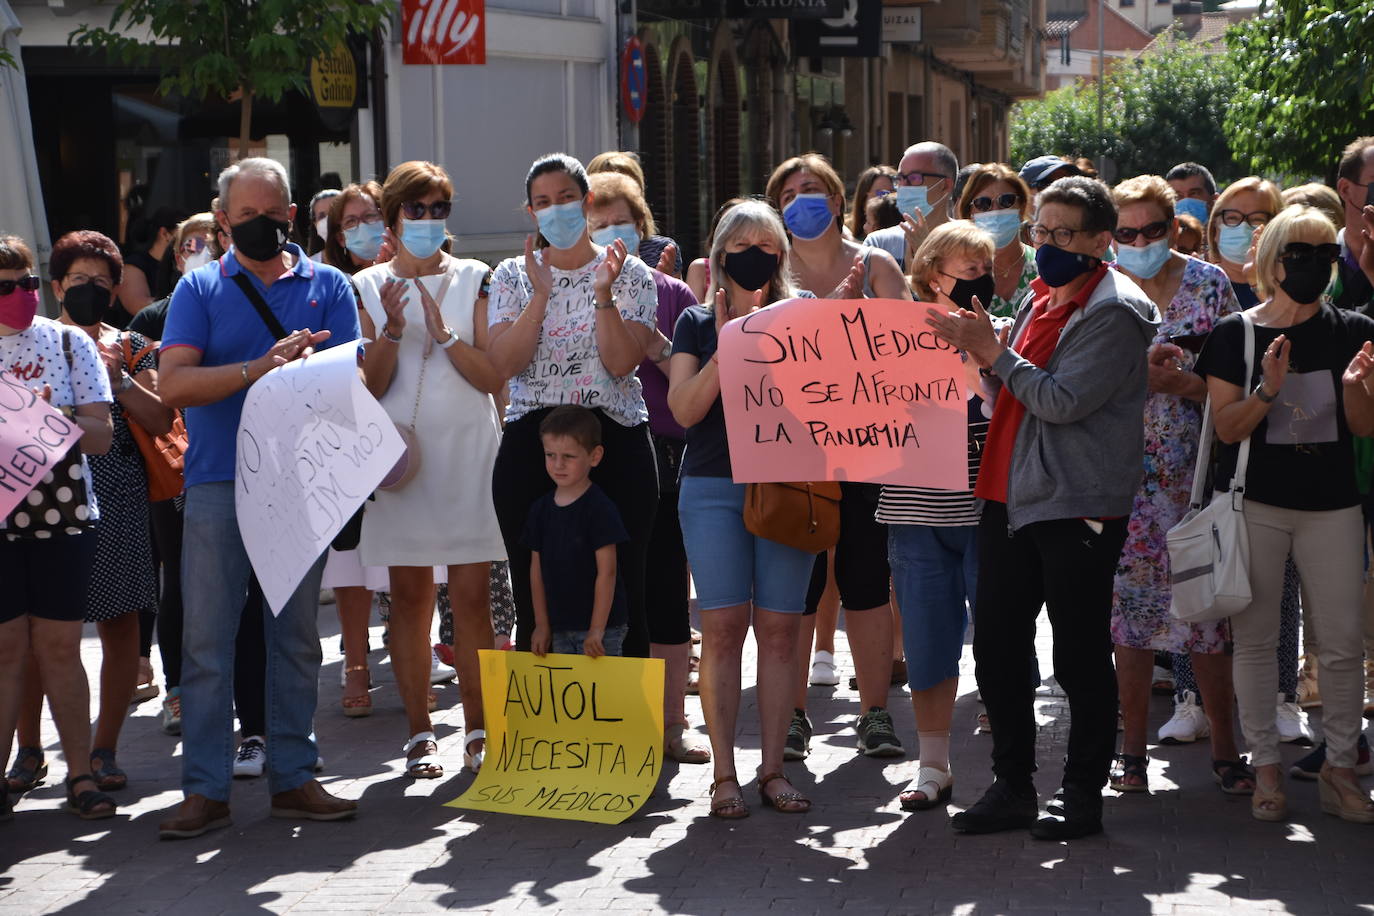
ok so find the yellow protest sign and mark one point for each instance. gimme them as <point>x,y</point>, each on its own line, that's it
<point>568,737</point>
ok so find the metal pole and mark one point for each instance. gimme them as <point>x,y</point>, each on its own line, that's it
<point>1101,76</point>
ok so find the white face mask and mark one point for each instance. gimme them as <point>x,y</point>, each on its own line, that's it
<point>321,227</point>
<point>199,259</point>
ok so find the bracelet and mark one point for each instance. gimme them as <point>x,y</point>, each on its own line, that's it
<point>608,305</point>
<point>1266,398</point>
<point>452,339</point>
<point>244,370</point>
<point>394,338</point>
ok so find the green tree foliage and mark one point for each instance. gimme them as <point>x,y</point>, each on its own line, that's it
<point>1304,85</point>
<point>1162,108</point>
<point>219,47</point>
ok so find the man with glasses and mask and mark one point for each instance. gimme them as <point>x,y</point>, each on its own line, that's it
<point>1354,287</point>
<point>925,196</point>
<point>224,332</point>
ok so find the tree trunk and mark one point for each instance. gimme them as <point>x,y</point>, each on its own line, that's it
<point>245,121</point>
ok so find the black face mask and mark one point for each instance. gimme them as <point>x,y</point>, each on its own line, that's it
<point>1305,280</point>
<point>260,238</point>
<point>751,268</point>
<point>86,303</point>
<point>963,291</point>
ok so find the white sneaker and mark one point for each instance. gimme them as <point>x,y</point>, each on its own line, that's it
<point>823,673</point>
<point>1292,723</point>
<point>251,758</point>
<point>438,671</point>
<point>1188,724</point>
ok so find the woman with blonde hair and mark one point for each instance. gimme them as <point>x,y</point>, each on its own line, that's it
<point>998,201</point>
<point>658,251</point>
<point>1245,206</point>
<point>1300,490</point>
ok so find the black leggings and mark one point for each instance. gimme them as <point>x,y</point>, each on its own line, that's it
<point>668,583</point>
<point>167,519</point>
<point>628,474</point>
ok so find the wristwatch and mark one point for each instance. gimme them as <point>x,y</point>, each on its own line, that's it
<point>666,352</point>
<point>608,305</point>
<point>126,381</point>
<point>1266,398</point>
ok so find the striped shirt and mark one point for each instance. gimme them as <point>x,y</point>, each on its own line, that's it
<point>900,505</point>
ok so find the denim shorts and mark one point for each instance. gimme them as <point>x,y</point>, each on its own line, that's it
<point>934,573</point>
<point>569,642</point>
<point>730,566</point>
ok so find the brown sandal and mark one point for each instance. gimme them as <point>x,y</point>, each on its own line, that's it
<point>782,799</point>
<point>728,809</point>
<point>360,705</point>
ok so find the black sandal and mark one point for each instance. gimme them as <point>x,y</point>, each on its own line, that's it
<point>1128,766</point>
<point>108,776</point>
<point>22,778</point>
<point>87,805</point>
<point>1231,776</point>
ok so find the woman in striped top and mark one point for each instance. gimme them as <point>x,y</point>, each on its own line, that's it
<point>932,534</point>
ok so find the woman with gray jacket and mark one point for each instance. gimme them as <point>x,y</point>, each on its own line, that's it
<point>1059,474</point>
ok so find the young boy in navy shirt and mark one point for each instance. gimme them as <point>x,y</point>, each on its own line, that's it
<point>579,598</point>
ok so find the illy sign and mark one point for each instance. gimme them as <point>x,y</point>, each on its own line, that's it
<point>902,24</point>
<point>443,32</point>
<point>783,9</point>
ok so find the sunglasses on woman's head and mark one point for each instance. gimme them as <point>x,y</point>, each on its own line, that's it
<point>1000,202</point>
<point>1302,252</point>
<point>192,244</point>
<point>28,284</point>
<point>1126,234</point>
<point>414,209</point>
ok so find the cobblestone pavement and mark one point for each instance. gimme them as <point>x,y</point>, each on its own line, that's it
<point>1186,849</point>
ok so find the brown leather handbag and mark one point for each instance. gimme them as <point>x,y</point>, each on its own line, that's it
<point>164,457</point>
<point>801,515</point>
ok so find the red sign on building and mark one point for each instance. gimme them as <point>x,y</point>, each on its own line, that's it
<point>444,31</point>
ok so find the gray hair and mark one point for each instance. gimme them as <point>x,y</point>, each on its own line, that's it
<point>949,163</point>
<point>260,166</point>
<point>744,219</point>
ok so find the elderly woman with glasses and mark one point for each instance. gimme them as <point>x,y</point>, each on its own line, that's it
<point>998,202</point>
<point>1309,392</point>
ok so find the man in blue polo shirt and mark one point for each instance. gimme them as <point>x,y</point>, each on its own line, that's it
<point>217,344</point>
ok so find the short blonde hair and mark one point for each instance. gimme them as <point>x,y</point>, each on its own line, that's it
<point>197,224</point>
<point>1321,196</point>
<point>1261,186</point>
<point>959,237</point>
<point>746,218</point>
<point>1146,189</point>
<point>611,187</point>
<point>619,162</point>
<point>1298,223</point>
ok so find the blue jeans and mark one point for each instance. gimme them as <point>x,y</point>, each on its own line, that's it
<point>934,570</point>
<point>569,642</point>
<point>215,572</point>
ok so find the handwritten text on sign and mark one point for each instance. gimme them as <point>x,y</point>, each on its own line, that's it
<point>852,389</point>
<point>34,436</point>
<point>312,445</point>
<point>568,737</point>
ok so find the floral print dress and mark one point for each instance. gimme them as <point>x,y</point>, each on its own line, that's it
<point>1006,308</point>
<point>1140,605</point>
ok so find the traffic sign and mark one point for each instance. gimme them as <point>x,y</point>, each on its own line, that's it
<point>634,80</point>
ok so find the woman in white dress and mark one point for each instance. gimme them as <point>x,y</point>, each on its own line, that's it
<point>426,313</point>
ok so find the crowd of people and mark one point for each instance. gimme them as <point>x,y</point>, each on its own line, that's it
<point>577,384</point>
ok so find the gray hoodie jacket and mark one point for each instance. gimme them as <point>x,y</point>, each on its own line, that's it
<point>1080,448</point>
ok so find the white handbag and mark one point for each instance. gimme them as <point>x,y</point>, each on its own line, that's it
<point>1209,550</point>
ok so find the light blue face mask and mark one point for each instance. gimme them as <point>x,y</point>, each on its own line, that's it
<point>808,216</point>
<point>912,198</point>
<point>562,225</point>
<point>1002,225</point>
<point>1233,242</point>
<point>365,240</point>
<point>1193,207</point>
<point>422,237</point>
<point>1143,261</point>
<point>623,231</point>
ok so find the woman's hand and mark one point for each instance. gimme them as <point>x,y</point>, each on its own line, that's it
<point>722,307</point>
<point>539,272</point>
<point>387,251</point>
<point>394,305</point>
<point>113,358</point>
<point>45,393</point>
<point>1275,364</point>
<point>434,321</point>
<point>608,271</point>
<point>1358,372</point>
<point>970,331</point>
<point>667,261</point>
<point>851,287</point>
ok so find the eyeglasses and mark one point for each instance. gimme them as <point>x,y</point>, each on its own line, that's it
<point>1303,253</point>
<point>1000,202</point>
<point>78,279</point>
<point>352,222</point>
<point>414,209</point>
<point>919,178</point>
<point>1126,234</point>
<point>1061,236</point>
<point>1235,218</point>
<point>28,284</point>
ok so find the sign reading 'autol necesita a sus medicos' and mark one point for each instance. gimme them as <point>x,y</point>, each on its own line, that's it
<point>783,9</point>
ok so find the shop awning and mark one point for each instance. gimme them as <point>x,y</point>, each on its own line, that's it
<point>21,196</point>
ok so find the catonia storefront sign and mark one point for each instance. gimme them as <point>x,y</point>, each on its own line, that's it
<point>443,32</point>
<point>783,9</point>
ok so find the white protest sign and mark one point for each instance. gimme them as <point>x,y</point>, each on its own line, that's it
<point>313,443</point>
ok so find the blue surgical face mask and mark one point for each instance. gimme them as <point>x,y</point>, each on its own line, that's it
<point>1193,207</point>
<point>562,225</point>
<point>912,198</point>
<point>365,240</point>
<point>422,237</point>
<point>808,216</point>
<point>623,231</point>
<point>1002,225</point>
<point>1143,262</point>
<point>1233,242</point>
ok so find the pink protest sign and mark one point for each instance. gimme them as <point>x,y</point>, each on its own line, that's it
<point>843,389</point>
<point>33,437</point>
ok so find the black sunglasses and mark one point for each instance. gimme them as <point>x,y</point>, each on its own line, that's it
<point>1000,202</point>
<point>28,284</point>
<point>414,209</point>
<point>1302,252</point>
<point>1126,234</point>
